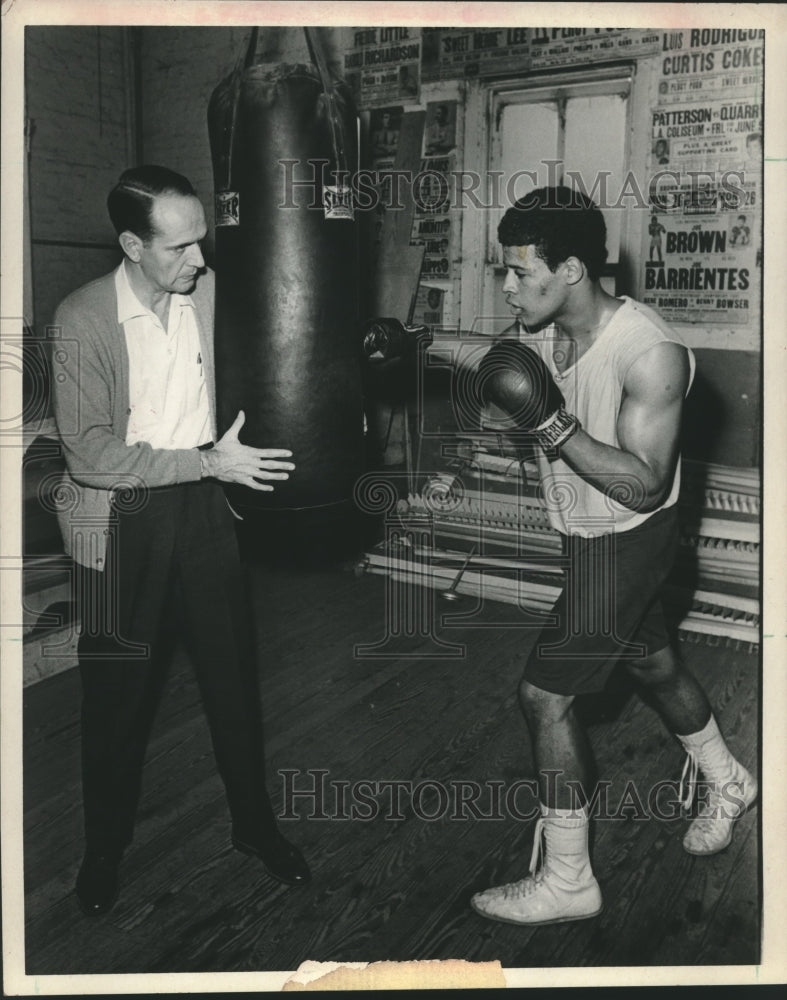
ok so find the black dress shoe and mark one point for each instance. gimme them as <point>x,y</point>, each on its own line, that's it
<point>281,859</point>
<point>97,884</point>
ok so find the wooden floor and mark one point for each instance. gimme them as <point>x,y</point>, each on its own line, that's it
<point>383,887</point>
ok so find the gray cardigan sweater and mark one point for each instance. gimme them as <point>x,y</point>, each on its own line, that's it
<point>91,407</point>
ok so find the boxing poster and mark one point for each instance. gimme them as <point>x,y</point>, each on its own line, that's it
<point>701,254</point>
<point>429,305</point>
<point>454,53</point>
<point>565,46</point>
<point>432,221</point>
<point>384,66</point>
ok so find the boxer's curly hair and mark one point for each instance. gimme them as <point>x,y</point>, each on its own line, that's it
<point>130,202</point>
<point>560,223</point>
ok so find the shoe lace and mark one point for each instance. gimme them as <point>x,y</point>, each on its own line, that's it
<point>688,781</point>
<point>536,856</point>
<point>515,890</point>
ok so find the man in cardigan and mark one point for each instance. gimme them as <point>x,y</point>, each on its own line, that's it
<point>149,528</point>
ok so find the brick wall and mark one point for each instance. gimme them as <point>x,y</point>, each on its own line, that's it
<point>78,100</point>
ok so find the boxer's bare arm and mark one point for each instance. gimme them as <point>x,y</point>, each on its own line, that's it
<point>648,431</point>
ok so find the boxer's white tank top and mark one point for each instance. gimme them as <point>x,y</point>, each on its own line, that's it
<point>593,390</point>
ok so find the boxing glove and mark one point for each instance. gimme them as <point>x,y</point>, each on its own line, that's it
<point>389,338</point>
<point>514,378</point>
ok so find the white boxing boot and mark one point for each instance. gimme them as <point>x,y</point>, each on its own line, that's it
<point>730,790</point>
<point>564,888</point>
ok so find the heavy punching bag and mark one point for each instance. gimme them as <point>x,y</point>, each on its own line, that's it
<point>286,335</point>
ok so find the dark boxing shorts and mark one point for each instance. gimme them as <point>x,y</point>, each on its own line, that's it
<point>609,608</point>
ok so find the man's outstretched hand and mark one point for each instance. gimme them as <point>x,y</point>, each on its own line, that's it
<point>233,462</point>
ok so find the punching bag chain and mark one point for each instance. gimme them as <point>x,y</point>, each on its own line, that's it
<point>229,115</point>
<point>334,114</point>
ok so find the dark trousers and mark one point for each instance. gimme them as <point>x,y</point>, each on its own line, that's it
<point>172,567</point>
<point>610,607</point>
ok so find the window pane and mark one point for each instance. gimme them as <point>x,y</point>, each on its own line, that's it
<point>551,130</point>
<point>595,147</point>
<point>529,139</point>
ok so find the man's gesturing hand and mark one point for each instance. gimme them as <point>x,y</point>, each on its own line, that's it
<point>233,462</point>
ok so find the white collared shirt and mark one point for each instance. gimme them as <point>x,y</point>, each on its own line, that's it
<point>168,397</point>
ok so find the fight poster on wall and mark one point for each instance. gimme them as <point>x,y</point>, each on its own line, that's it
<point>550,47</point>
<point>702,259</point>
<point>703,64</point>
<point>384,66</point>
<point>432,221</point>
<point>384,127</point>
<point>724,132</point>
<point>455,53</point>
<point>440,128</point>
<point>434,233</point>
<point>429,305</point>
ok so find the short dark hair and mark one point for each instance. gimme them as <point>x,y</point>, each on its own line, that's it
<point>130,202</point>
<point>560,223</point>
